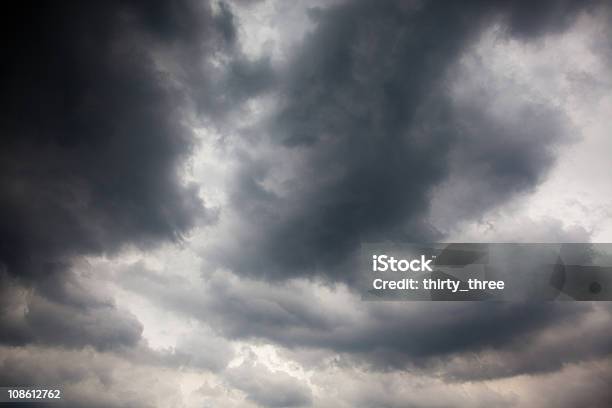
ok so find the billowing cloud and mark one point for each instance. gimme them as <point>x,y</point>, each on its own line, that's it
<point>185,187</point>
<point>460,340</point>
<point>372,118</point>
<point>93,132</point>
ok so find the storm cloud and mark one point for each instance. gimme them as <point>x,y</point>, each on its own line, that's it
<point>368,126</point>
<point>93,135</point>
<point>185,186</point>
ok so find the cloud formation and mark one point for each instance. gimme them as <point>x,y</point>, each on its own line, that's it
<point>366,130</point>
<point>373,121</point>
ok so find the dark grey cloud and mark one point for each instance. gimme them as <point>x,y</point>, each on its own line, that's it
<point>78,318</point>
<point>93,132</point>
<point>570,341</point>
<point>364,109</point>
<point>527,20</point>
<point>97,107</point>
<point>96,127</point>
<point>447,338</point>
<point>331,330</point>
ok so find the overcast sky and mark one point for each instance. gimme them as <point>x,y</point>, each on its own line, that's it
<point>185,187</point>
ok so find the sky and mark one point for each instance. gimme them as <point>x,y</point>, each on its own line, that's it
<point>185,186</point>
